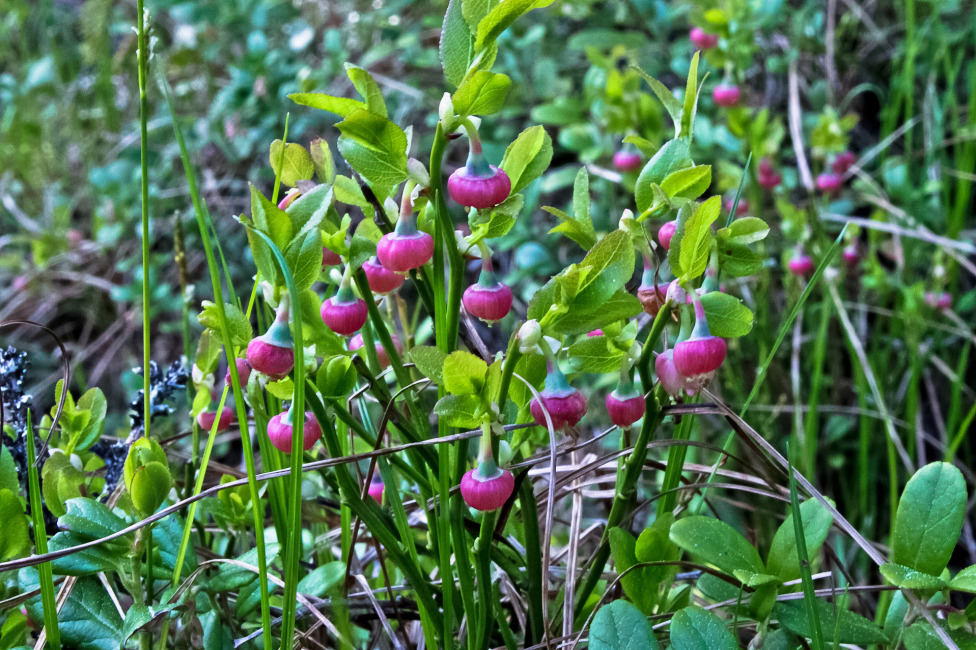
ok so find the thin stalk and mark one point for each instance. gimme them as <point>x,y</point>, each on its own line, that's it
<point>203,217</point>
<point>633,465</point>
<point>811,423</point>
<point>143,63</point>
<point>809,597</point>
<point>676,463</point>
<point>44,572</point>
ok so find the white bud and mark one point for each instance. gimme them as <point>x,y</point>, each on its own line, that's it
<point>529,336</point>
<point>335,275</point>
<point>269,294</point>
<point>418,173</point>
<point>625,218</point>
<point>446,112</point>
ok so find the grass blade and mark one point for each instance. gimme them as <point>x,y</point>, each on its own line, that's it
<point>40,541</point>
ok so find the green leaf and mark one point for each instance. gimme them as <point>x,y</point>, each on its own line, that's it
<point>754,580</point>
<point>94,402</point>
<point>482,93</point>
<point>527,157</point>
<point>611,264</point>
<point>368,88</point>
<point>595,354</point>
<point>688,183</point>
<point>664,94</point>
<point>921,636</point>
<point>462,411</point>
<point>497,221</point>
<point>87,621</point>
<point>475,10</point>
<point>308,211</point>
<point>321,579</point>
<point>304,258</point>
<point>580,320</point>
<point>621,626</point>
<point>727,316</point>
<point>457,44</point>
<point>694,628</point>
<point>717,543</point>
<point>429,361</point>
<point>296,166</point>
<point>376,148</point>
<point>637,588</point>
<point>783,559</point>
<point>691,100</point>
<point>8,470</point>
<point>275,223</point>
<point>965,580</point>
<point>578,227</point>
<point>104,557</point>
<point>929,518</point>
<point>231,577</point>
<point>60,481</point>
<point>15,541</point>
<point>902,576</point>
<point>464,373</point>
<point>747,230</point>
<point>364,241</point>
<point>689,254</point>
<point>501,18</point>
<point>674,155</point>
<point>321,154</point>
<point>738,260</point>
<point>341,106</point>
<point>336,377</point>
<point>240,327</point>
<point>850,627</point>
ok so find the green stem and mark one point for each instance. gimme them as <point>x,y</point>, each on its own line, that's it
<point>203,221</point>
<point>143,63</point>
<point>44,571</point>
<point>633,465</point>
<point>447,332</point>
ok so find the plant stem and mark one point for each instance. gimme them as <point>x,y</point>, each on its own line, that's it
<point>44,571</point>
<point>632,465</point>
<point>143,64</point>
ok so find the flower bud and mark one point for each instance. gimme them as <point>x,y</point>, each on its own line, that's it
<point>280,432</point>
<point>381,280</point>
<point>147,476</point>
<point>627,161</point>
<point>486,493</point>
<point>702,39</point>
<point>726,95</point>
<point>402,253</point>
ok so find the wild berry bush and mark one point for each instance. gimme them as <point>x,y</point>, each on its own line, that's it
<point>604,336</point>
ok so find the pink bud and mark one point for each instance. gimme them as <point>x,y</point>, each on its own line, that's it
<point>19,283</point>
<point>673,382</point>
<point>488,303</point>
<point>766,167</point>
<point>666,232</point>
<point>565,409</point>
<point>375,489</point>
<point>356,343</point>
<point>381,279</point>
<point>627,161</point>
<point>844,161</point>
<point>401,253</point>
<point>702,39</point>
<point>479,191</point>
<point>288,200</point>
<point>329,257</point>
<point>594,333</point>
<point>75,237</point>
<point>699,356</point>
<point>624,412</point>
<point>801,265</point>
<point>280,432</point>
<point>206,419</point>
<point>344,318</point>
<point>243,371</point>
<point>489,493</point>
<point>273,360</point>
<point>726,95</point>
<point>740,210</point>
<point>941,301</point>
<point>770,181</point>
<point>829,183</point>
<point>851,255</point>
